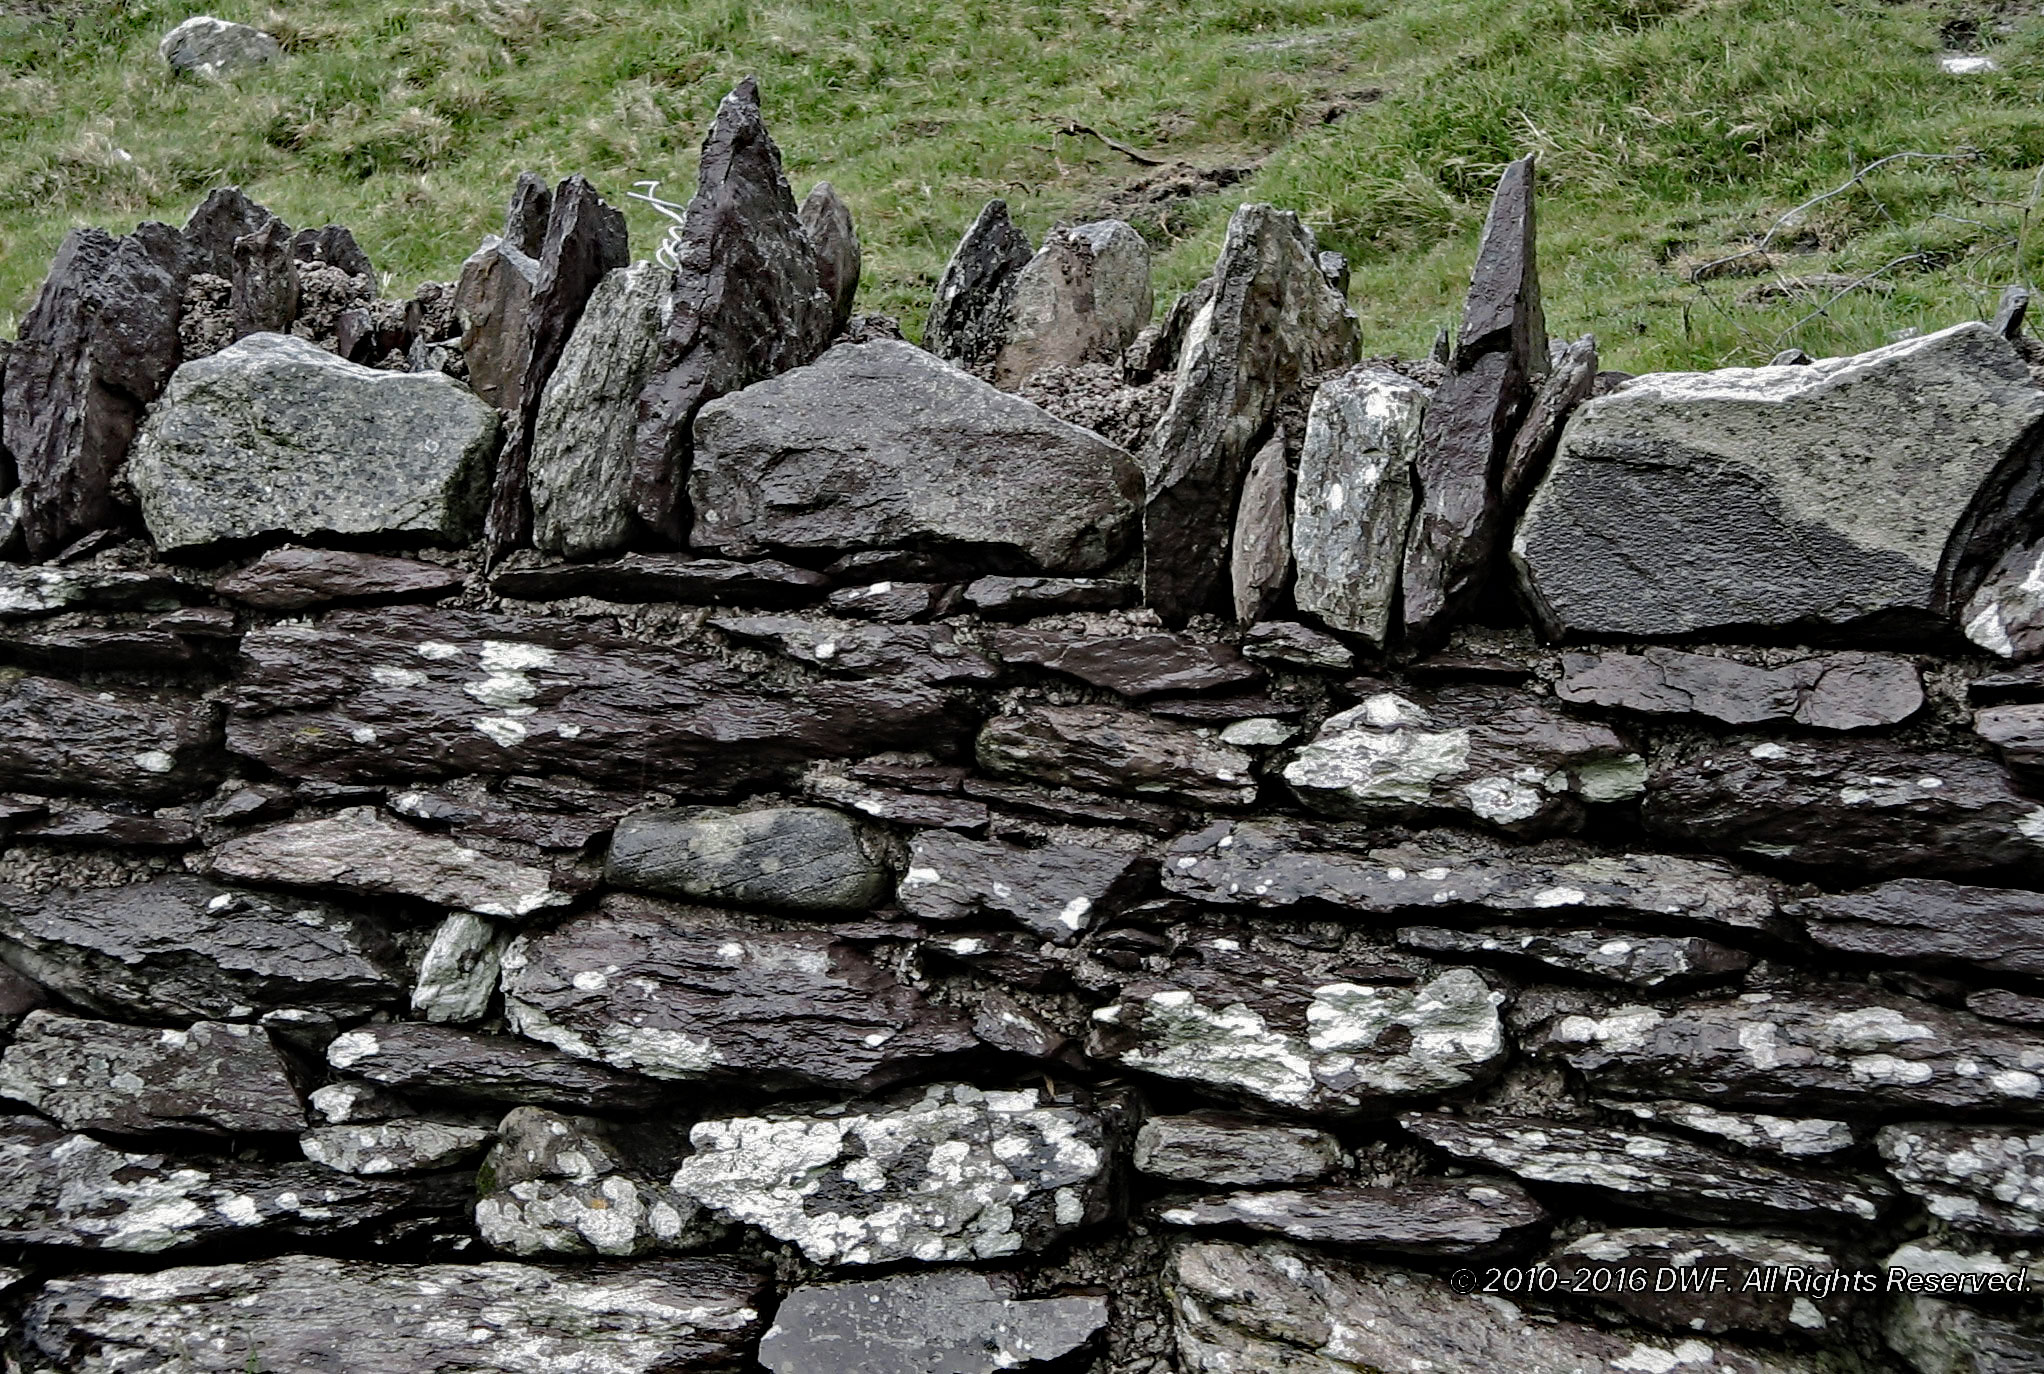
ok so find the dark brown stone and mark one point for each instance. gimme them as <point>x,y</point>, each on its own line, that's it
<point>1648,962</point>
<point>1021,597</point>
<point>290,579</point>
<point>1136,665</point>
<point>56,737</point>
<point>1115,750</point>
<point>428,1063</point>
<point>265,297</point>
<point>641,577</point>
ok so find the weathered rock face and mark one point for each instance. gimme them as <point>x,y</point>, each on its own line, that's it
<point>640,577</point>
<point>955,1174</point>
<point>1119,751</point>
<point>1794,1137</point>
<point>1647,962</point>
<point>1140,665</point>
<point>492,299</point>
<point>583,434</point>
<point>1058,891</point>
<point>827,220</point>
<point>1928,923</point>
<point>1214,1147</point>
<point>557,1185</point>
<point>458,973</point>
<point>914,653</point>
<point>394,1147</point>
<point>40,591</point>
<point>880,444</point>
<point>1272,320</point>
<point>1435,1217</point>
<point>924,1323</point>
<point>1354,499</point>
<point>1260,551</point>
<point>1976,1179</point>
<point>1331,1049</point>
<point>1641,1271</point>
<point>1829,691</point>
<point>214,1077</point>
<point>1007,597</point>
<point>291,579</point>
<point>1511,762</point>
<point>1937,1337</point>
<point>787,1007</point>
<point>748,303</point>
<point>802,858</point>
<point>968,317</point>
<point>677,1314</point>
<point>212,48</point>
<point>1667,495</point>
<point>2006,615</point>
<point>1081,299</point>
<point>277,436</point>
<point>431,1062</point>
<point>57,737</point>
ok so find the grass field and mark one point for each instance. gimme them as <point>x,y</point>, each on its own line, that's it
<point>1669,134</point>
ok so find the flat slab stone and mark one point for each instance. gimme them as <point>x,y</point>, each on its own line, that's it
<point>1974,1178</point>
<point>639,577</point>
<point>290,579</point>
<point>917,653</point>
<point>1641,961</point>
<point>1058,891</point>
<point>405,1146</point>
<point>1116,750</point>
<point>1423,1216</point>
<point>1703,1281</point>
<point>1219,1148</point>
<point>1926,922</point>
<point>1794,1137</point>
<point>1133,665</point>
<point>42,589</point>
<point>1020,597</point>
<point>429,1062</point>
<point>58,737</point>
<point>801,858</point>
<point>1829,691</point>
<point>212,1077</point>
<point>1671,499</point>
<point>1355,499</point>
<point>929,1322</point>
<point>300,1311</point>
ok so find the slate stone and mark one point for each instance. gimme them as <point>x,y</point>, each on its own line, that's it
<point>1294,645</point>
<point>265,292</point>
<point>1532,451</point>
<point>1850,1051</point>
<point>1705,1281</point>
<point>1116,750</point>
<point>1932,924</point>
<point>1224,1149</point>
<point>38,591</point>
<point>74,1192</point>
<point>893,603</point>
<point>791,1008</point>
<point>1999,1004</point>
<point>181,949</point>
<point>1670,500</point>
<point>1429,1217</point>
<point>361,851</point>
<point>116,827</point>
<point>1273,863</point>
<point>96,347</point>
<point>880,444</point>
<point>1058,891</point>
<point>332,245</point>
<point>434,1062</point>
<point>1334,1049</point>
<point>1794,1137</point>
<point>2017,733</point>
<point>1135,665</point>
<point>562,1185</point>
<point>1829,691</point>
<point>1655,1173</point>
<point>2006,615</point>
<point>1260,551</point>
<point>968,316</point>
<point>642,577</point>
<point>290,579</point>
<point>212,48</point>
<point>1465,437</point>
<point>1081,298</point>
<point>798,858</point>
<point>947,1175</point>
<point>213,1077</point>
<point>1867,808</point>
<point>413,695</point>
<point>57,737</point>
<point>1975,1178</point>
<point>1937,1337</point>
<point>916,809</point>
<point>274,435</point>
<point>748,303</point>
<point>1509,760</point>
<point>932,1322</point>
<point>827,220</point>
<point>1272,321</point>
<point>394,1147</point>
<point>1022,597</point>
<point>917,653</point>
<point>297,1311</point>
<point>1647,962</point>
<point>209,232</point>
<point>1977,1264</point>
<point>1070,805</point>
<point>493,299</point>
<point>457,975</point>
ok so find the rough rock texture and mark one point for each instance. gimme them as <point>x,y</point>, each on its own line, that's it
<point>1141,665</point>
<point>492,299</point>
<point>1795,1137</point>
<point>1354,499</point>
<point>212,48</point>
<point>1213,1147</point>
<point>1927,923</point>
<point>1271,322</point>
<point>880,444</point>
<point>2006,615</point>
<point>640,577</point>
<point>1640,1270</point>
<point>1937,1337</point>
<point>441,1061</point>
<point>291,579</point>
<point>457,976</point>
<point>802,858</point>
<point>1080,299</point>
<point>938,1322</point>
<point>1058,891</point>
<point>1568,386</point>
<point>1119,751</point>
<point>1829,691</point>
<point>1977,1178</point>
<point>1667,494</point>
<point>955,1174</point>
<point>495,1318</point>
<point>1427,1217</point>
<point>1647,962</point>
<point>1260,551</point>
<point>1009,597</point>
<point>785,1007</point>
<point>560,1185</point>
<point>394,1147</point>
<point>58,737</point>
<point>827,220</point>
<point>277,436</point>
<point>213,1077</point>
<point>968,316</point>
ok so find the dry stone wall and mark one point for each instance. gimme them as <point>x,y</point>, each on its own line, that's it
<point>619,818</point>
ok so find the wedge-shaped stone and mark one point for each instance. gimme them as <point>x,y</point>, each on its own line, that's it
<point>1423,1216</point>
<point>1791,1136</point>
<point>766,1007</point>
<point>668,577</point>
<point>950,1174</point>
<point>293,578</point>
<point>431,1062</point>
<point>1890,475</point>
<point>1058,891</point>
<point>968,317</point>
<point>1115,750</point>
<point>1081,299</point>
<point>298,1311</point>
<point>47,590</point>
<point>214,1077</point>
<point>929,1322</point>
<point>560,1185</point>
<point>1641,961</point>
<point>1220,1148</point>
<point>1974,1178</point>
<point>59,737</point>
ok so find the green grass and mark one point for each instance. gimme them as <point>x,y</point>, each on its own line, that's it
<point>1668,134</point>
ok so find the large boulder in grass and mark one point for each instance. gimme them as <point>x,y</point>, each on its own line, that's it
<point>207,47</point>
<point>1873,491</point>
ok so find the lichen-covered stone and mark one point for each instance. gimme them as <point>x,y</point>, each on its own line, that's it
<point>917,653</point>
<point>1975,1178</point>
<point>1116,750</point>
<point>1794,1137</point>
<point>1421,1217</point>
<point>430,1062</point>
<point>403,1146</point>
<point>2006,615</point>
<point>1354,499</point>
<point>929,1322</point>
<point>1058,891</point>
<point>827,220</point>
<point>1708,1281</point>
<point>1641,961</point>
<point>212,48</point>
<point>213,1077</point>
<point>1933,1336</point>
<point>1218,1148</point>
<point>561,1185</point>
<point>968,316</point>
<point>47,590</point>
<point>457,974</point>
<point>802,858</point>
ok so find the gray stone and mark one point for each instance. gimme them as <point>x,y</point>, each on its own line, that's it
<point>881,444</point>
<point>1296,646</point>
<point>1058,891</point>
<point>1272,321</point>
<point>1217,1148</point>
<point>39,591</point>
<point>209,232</point>
<point>1532,450</point>
<point>1355,497</point>
<point>362,851</point>
<point>179,948</point>
<point>1709,1281</point>
<point>2017,733</point>
<point>561,1185</point>
<point>525,218</point>
<point>1937,1337</point>
<point>300,1311</point>
<point>1647,962</point>
<point>791,1008</point>
<point>2002,1005</point>
<point>968,316</point>
<point>1670,500</point>
<point>214,1077</point>
<point>458,972</point>
<point>917,809</point>
<point>1982,1271</point>
<point>801,858</point>
<point>1932,924</point>
<point>1334,1049</point>
<point>1508,760</point>
<point>394,1147</point>
<point>290,579</point>
<point>583,435</point>
<point>1021,597</point>
<point>1975,1178</point>
<point>2006,615</point>
<point>58,737</point>
<point>435,1062</point>
<point>1116,750</point>
<point>350,1103</point>
<point>952,1175</point>
<point>639,577</point>
<point>932,1322</point>
<point>265,292</point>
<point>212,48</point>
<point>1430,1217</point>
<point>827,220</point>
<point>1829,691</point>
<point>1794,1137</point>
<point>1653,1172</point>
<point>1134,665</point>
<point>492,300</point>
<point>1081,299</point>
<point>893,603</point>
<point>275,435</point>
<point>1260,552</point>
<point>919,653</point>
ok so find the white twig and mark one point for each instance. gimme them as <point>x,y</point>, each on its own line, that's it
<point>670,244</point>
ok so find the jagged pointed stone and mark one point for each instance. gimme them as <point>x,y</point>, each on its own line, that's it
<point>1355,499</point>
<point>2008,315</point>
<point>1568,386</point>
<point>331,245</point>
<point>968,315</point>
<point>1499,356</point>
<point>265,298</point>
<point>209,232</point>
<point>525,221</point>
<point>1081,299</point>
<point>491,300</point>
<point>1273,321</point>
<point>1260,560</point>
<point>828,222</point>
<point>747,303</point>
